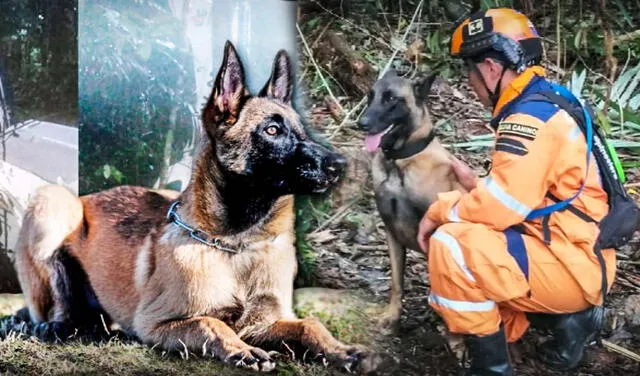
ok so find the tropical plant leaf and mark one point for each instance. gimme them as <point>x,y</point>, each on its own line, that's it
<point>634,103</point>
<point>577,82</point>
<point>628,92</point>
<point>622,82</point>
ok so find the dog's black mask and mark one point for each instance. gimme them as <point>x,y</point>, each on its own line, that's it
<point>289,162</point>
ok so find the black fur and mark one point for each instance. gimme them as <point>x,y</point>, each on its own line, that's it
<point>79,309</point>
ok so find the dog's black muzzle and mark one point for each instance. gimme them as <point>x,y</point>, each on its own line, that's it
<point>369,122</point>
<point>317,168</point>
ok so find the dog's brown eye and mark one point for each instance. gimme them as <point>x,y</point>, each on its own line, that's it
<point>272,130</point>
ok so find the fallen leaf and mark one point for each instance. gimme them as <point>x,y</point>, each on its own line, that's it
<point>334,108</point>
<point>413,51</point>
<point>398,43</point>
<point>322,237</point>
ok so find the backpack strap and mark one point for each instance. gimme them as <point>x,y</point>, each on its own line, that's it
<point>577,212</point>
<point>583,119</point>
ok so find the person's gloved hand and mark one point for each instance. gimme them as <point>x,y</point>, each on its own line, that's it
<point>465,174</point>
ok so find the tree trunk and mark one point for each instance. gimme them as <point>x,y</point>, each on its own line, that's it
<point>350,69</point>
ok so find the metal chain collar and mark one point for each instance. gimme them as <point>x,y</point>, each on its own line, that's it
<point>195,233</point>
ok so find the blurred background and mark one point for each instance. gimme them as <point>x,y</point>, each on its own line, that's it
<point>38,110</point>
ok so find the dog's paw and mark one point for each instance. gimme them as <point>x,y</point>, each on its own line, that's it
<point>361,360</point>
<point>389,321</point>
<point>348,358</point>
<point>55,331</point>
<point>252,358</point>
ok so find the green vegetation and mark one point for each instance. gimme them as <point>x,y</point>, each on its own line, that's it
<point>39,59</point>
<point>310,212</point>
<point>23,357</point>
<point>351,325</point>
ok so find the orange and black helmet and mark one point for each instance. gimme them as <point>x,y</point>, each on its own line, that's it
<point>501,33</point>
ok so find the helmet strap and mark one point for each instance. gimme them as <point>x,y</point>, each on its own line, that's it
<point>494,95</point>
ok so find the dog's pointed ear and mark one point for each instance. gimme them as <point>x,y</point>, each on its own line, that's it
<point>422,87</point>
<point>280,84</point>
<point>228,91</point>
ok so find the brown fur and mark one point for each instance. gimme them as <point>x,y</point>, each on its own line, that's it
<point>404,188</point>
<point>153,279</point>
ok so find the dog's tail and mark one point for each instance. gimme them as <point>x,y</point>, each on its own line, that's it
<point>53,214</point>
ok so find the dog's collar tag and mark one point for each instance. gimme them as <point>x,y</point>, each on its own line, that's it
<point>410,149</point>
<point>199,235</point>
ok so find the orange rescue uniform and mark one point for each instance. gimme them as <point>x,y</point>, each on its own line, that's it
<point>477,279</point>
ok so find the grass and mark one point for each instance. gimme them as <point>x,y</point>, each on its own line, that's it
<point>343,314</point>
<point>30,357</point>
<point>348,315</point>
<point>20,356</point>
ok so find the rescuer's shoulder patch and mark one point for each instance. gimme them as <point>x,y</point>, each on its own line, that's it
<point>507,128</point>
<point>511,146</point>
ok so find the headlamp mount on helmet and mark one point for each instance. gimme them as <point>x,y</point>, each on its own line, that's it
<point>496,45</point>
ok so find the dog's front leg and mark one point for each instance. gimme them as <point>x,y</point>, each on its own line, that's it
<point>397,257</point>
<point>210,336</point>
<point>312,335</point>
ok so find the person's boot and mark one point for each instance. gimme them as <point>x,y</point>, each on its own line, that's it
<point>489,355</point>
<point>572,333</point>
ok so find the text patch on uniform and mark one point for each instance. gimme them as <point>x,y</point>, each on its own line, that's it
<point>519,130</point>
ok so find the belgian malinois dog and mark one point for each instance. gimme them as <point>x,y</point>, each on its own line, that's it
<point>210,269</point>
<point>409,169</point>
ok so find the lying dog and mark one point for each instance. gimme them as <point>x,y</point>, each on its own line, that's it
<point>210,269</point>
<point>409,169</point>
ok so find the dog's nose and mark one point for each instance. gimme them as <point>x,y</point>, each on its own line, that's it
<point>364,122</point>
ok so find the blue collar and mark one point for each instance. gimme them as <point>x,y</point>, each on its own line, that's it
<point>199,235</point>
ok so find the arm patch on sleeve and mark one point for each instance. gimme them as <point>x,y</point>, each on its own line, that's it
<point>519,130</point>
<point>509,145</point>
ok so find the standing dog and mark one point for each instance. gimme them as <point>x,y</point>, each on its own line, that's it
<point>211,271</point>
<point>409,169</point>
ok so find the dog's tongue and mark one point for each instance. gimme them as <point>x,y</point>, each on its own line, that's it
<point>372,142</point>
